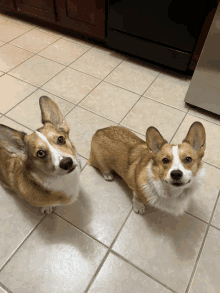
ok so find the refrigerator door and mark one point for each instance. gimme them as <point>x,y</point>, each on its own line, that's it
<point>204,89</point>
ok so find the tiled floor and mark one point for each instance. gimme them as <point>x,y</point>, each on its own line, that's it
<point>99,244</point>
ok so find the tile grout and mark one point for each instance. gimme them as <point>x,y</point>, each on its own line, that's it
<point>202,245</point>
<point>137,101</point>
<point>97,271</point>
<point>22,242</point>
<point>5,288</point>
<point>141,270</point>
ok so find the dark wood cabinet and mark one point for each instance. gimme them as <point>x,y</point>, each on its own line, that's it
<point>83,16</point>
<point>7,3</point>
<point>40,8</point>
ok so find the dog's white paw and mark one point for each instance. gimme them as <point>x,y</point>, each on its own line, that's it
<point>138,207</point>
<point>47,210</point>
<point>108,176</point>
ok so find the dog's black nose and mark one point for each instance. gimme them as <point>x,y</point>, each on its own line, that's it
<point>66,163</point>
<point>176,174</point>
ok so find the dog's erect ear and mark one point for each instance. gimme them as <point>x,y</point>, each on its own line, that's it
<point>12,140</point>
<point>196,137</point>
<point>154,139</point>
<point>50,112</point>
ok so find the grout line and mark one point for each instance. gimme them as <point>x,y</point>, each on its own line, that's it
<point>82,231</point>
<point>179,126</point>
<point>199,117</point>
<point>122,226</point>
<point>137,100</point>
<point>5,288</point>
<point>211,164</point>
<point>188,213</point>
<point>97,271</point>
<point>16,250</point>
<point>17,122</point>
<point>142,271</point>
<point>211,225</point>
<point>95,88</point>
<point>202,245</point>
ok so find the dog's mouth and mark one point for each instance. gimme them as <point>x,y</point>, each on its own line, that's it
<point>178,183</point>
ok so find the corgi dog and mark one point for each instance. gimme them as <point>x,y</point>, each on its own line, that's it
<point>43,167</point>
<point>160,174</point>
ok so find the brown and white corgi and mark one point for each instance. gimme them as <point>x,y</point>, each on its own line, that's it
<point>43,167</point>
<point>160,174</point>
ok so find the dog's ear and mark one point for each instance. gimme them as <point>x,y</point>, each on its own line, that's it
<point>12,140</point>
<point>50,112</point>
<point>154,140</point>
<point>196,137</point>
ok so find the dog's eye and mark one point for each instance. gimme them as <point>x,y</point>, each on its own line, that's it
<point>188,159</point>
<point>165,161</point>
<point>61,140</point>
<point>41,154</point>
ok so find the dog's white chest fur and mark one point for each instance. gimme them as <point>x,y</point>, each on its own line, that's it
<point>171,200</point>
<point>69,184</point>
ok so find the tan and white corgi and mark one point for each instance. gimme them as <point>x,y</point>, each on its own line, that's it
<point>160,174</point>
<point>43,167</point>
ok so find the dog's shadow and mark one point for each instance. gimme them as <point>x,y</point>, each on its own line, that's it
<point>49,230</point>
<point>183,234</point>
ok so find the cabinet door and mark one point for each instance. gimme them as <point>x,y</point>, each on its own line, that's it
<point>83,15</point>
<point>7,3</point>
<point>39,8</point>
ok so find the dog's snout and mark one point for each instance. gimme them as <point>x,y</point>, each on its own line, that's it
<point>66,163</point>
<point>176,174</point>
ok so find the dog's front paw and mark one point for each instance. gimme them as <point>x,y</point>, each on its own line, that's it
<point>47,210</point>
<point>138,207</point>
<point>108,176</point>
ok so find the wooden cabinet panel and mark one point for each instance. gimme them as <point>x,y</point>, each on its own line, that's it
<point>40,8</point>
<point>7,3</point>
<point>83,15</point>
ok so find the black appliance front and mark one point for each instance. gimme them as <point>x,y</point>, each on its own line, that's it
<point>164,31</point>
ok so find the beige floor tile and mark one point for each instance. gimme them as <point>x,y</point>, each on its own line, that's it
<point>10,123</point>
<point>133,76</point>
<point>1,73</point>
<point>17,221</point>
<point>212,152</point>
<point>101,208</point>
<point>55,258</point>
<point>118,276</point>
<point>207,274</point>
<point>162,245</point>
<point>84,124</point>
<point>63,51</point>
<point>1,43</point>
<point>14,92</point>
<point>11,30</point>
<point>78,41</point>
<point>170,90</point>
<point>216,217</point>
<point>37,70</point>
<point>205,115</point>
<point>110,101</point>
<point>48,30</point>
<point>11,56</point>
<point>71,85</point>
<point>3,18</point>
<point>148,113</point>
<point>28,112</point>
<point>34,40</point>
<point>83,161</point>
<point>205,197</point>
<point>96,63</point>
